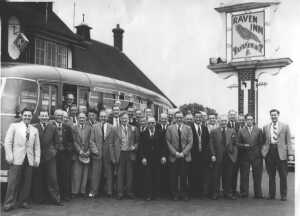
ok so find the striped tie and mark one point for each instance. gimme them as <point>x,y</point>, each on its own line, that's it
<point>275,133</point>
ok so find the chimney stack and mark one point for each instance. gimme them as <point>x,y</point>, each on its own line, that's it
<point>118,37</point>
<point>83,30</point>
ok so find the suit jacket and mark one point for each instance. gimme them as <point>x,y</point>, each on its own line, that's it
<point>67,138</point>
<point>81,137</point>
<point>133,140</point>
<point>255,140</point>
<point>172,140</point>
<point>100,149</point>
<point>205,150</point>
<point>152,147</point>
<point>217,147</point>
<point>284,140</point>
<point>48,137</point>
<point>16,147</point>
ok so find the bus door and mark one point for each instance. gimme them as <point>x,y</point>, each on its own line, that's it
<point>83,98</point>
<point>49,97</point>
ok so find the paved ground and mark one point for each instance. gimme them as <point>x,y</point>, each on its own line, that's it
<point>164,207</point>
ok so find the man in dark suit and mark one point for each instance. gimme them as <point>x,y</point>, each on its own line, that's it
<point>275,151</point>
<point>153,154</point>
<point>179,138</point>
<point>69,101</point>
<point>249,142</point>
<point>132,118</point>
<point>44,177</point>
<point>224,155</point>
<point>64,146</point>
<point>237,166</point>
<point>165,168</point>
<point>123,155</point>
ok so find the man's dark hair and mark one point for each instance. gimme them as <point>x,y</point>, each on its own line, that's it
<point>26,109</point>
<point>93,110</point>
<point>274,110</point>
<point>44,110</point>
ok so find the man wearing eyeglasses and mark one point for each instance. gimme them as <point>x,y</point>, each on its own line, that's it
<point>22,152</point>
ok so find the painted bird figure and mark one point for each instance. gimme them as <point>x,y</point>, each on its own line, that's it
<point>246,34</point>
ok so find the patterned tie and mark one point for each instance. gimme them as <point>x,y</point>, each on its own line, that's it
<point>27,133</point>
<point>275,133</point>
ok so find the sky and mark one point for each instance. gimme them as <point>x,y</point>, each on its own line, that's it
<point>171,41</point>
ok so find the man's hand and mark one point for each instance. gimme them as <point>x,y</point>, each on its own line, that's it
<point>35,164</point>
<point>246,145</point>
<point>181,155</point>
<point>10,160</point>
<point>144,161</point>
<point>178,155</point>
<point>163,160</point>
<point>132,148</point>
<point>213,158</point>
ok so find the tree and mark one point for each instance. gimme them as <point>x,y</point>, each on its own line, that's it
<point>195,107</point>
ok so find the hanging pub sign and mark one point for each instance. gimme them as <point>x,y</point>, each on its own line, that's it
<point>248,35</point>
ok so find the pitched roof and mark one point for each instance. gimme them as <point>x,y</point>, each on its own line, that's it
<point>100,58</point>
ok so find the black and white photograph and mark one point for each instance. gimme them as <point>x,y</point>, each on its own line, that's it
<point>142,108</point>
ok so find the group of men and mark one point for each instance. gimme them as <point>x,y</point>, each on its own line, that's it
<point>129,154</point>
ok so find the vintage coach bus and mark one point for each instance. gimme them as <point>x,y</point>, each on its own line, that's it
<point>44,87</point>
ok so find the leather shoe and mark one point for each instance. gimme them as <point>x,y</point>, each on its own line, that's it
<point>8,208</point>
<point>230,197</point>
<point>271,198</point>
<point>214,197</point>
<point>58,203</point>
<point>25,205</point>
<point>175,198</point>
<point>131,196</point>
<point>258,197</point>
<point>283,198</point>
<point>148,199</point>
<point>119,197</point>
<point>186,198</point>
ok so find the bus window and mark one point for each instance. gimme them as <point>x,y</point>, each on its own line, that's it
<point>82,99</point>
<point>18,94</point>
<point>96,99</point>
<point>109,100</point>
<point>49,98</point>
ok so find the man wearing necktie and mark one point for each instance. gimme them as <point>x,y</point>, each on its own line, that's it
<point>123,155</point>
<point>179,138</point>
<point>275,150</point>
<point>92,116</point>
<point>45,176</point>
<point>249,143</point>
<point>22,153</point>
<point>102,138</point>
<point>164,174</point>
<point>153,155</point>
<point>81,134</point>
<point>224,154</point>
<point>64,147</point>
<point>200,171</point>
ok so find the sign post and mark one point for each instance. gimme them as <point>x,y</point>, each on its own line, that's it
<point>248,50</point>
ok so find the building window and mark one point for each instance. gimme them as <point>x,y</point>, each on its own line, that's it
<point>50,53</point>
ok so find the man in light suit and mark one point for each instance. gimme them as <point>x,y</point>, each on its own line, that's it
<point>102,137</point>
<point>249,143</point>
<point>80,168</point>
<point>179,138</point>
<point>275,150</point>
<point>45,176</point>
<point>22,152</point>
<point>224,155</point>
<point>123,154</point>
